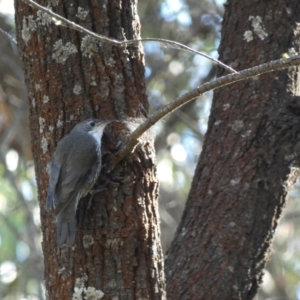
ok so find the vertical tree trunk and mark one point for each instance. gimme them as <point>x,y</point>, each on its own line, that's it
<point>71,77</point>
<point>249,161</point>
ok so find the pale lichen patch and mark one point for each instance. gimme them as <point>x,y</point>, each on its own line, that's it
<point>33,102</point>
<point>92,294</point>
<point>257,25</point>
<point>80,281</point>
<point>77,295</point>
<point>289,157</point>
<point>88,241</point>
<point>59,123</point>
<point>61,52</point>
<point>61,270</point>
<point>79,288</point>
<point>235,181</point>
<point>45,99</point>
<point>237,125</point>
<point>231,269</point>
<point>44,144</point>
<point>38,86</point>
<point>42,124</point>
<point>81,13</point>
<point>246,134</point>
<point>292,52</point>
<point>112,283</point>
<point>88,46</point>
<point>77,89</point>
<point>226,106</point>
<point>248,36</point>
<point>43,18</point>
<point>93,81</point>
<point>111,62</point>
<point>28,27</point>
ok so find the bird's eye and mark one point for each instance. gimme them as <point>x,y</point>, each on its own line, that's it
<point>92,123</point>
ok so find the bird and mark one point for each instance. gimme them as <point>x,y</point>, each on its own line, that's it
<point>73,170</point>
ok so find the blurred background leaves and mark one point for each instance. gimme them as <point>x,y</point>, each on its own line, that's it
<point>169,73</point>
<point>21,263</point>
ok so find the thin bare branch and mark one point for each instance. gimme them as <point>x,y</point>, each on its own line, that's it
<point>114,42</point>
<point>5,33</point>
<point>12,228</point>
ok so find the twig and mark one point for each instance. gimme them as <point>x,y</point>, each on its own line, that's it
<point>11,227</point>
<point>8,36</point>
<point>115,42</point>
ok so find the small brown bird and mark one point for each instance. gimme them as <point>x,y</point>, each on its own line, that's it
<point>74,169</point>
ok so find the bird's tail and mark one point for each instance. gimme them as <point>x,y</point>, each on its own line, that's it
<point>66,226</point>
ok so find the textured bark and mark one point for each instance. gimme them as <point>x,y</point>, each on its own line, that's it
<point>249,162</point>
<point>70,78</point>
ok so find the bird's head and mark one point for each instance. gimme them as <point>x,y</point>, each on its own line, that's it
<point>94,127</point>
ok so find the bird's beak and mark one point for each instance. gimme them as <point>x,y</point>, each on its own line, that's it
<point>108,121</point>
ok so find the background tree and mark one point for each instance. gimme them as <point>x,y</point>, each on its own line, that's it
<point>183,130</point>
<point>248,165</point>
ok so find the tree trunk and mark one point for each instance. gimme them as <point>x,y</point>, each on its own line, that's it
<point>71,77</point>
<point>249,162</point>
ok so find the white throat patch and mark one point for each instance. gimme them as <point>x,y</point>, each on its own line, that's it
<point>97,133</point>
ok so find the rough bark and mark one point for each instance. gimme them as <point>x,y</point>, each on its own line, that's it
<point>70,78</point>
<point>249,162</point>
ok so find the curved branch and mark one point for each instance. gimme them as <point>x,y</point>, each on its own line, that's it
<point>189,96</point>
<point>7,35</point>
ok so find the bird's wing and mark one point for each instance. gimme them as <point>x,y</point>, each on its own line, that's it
<point>53,178</point>
<point>75,171</point>
<point>55,170</point>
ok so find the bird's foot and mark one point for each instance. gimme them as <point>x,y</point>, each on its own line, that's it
<point>94,191</point>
